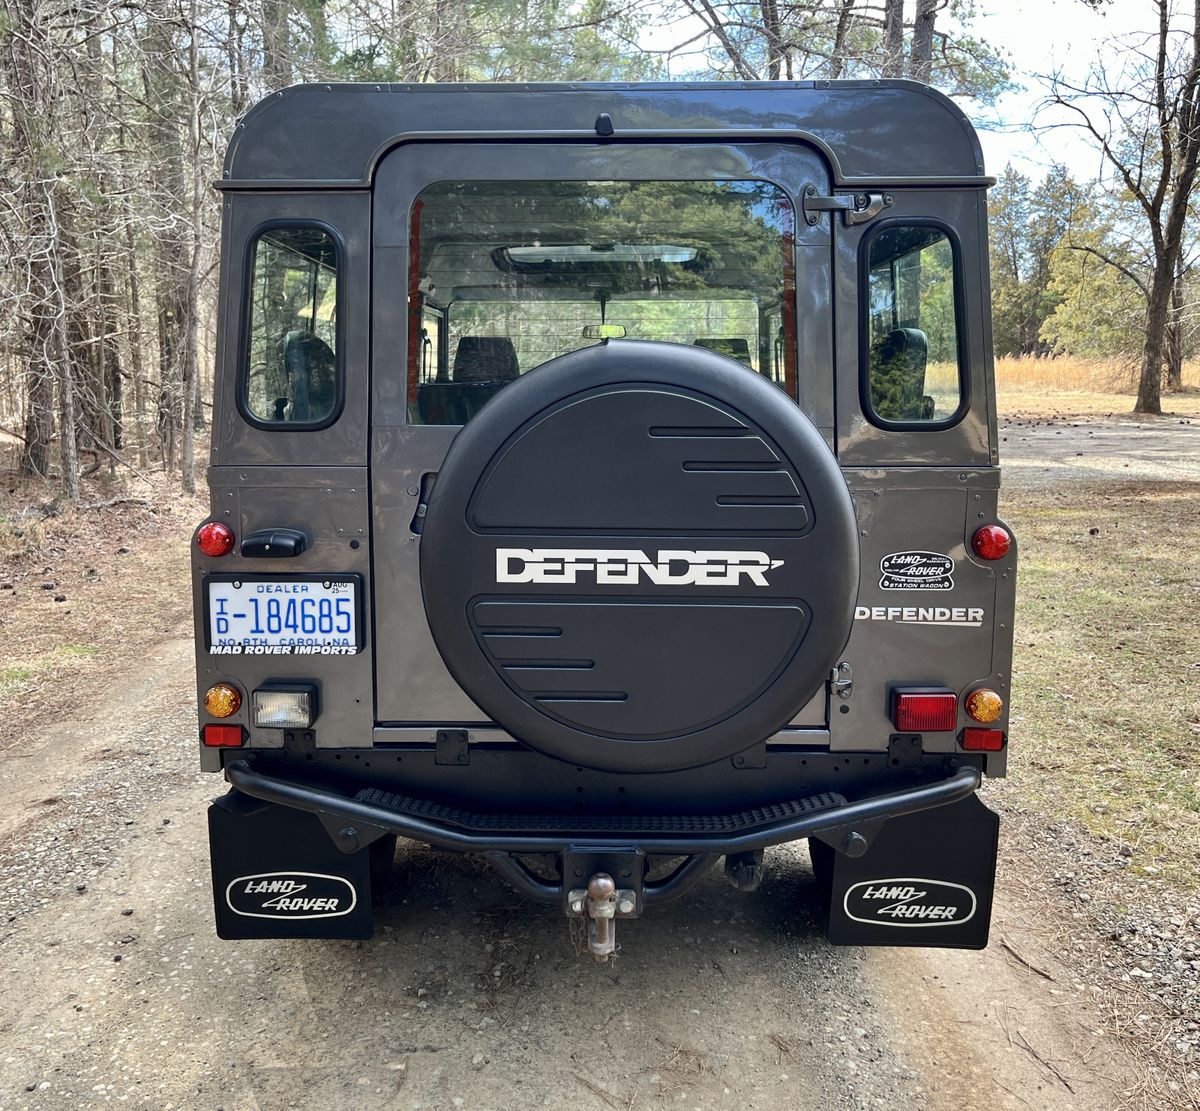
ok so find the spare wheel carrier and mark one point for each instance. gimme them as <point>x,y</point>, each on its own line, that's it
<point>640,557</point>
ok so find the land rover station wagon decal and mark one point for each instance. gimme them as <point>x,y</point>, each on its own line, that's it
<point>916,571</point>
<point>910,902</point>
<point>625,566</point>
<point>291,895</point>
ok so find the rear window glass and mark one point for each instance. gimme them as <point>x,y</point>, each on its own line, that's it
<point>508,275</point>
<point>913,366</point>
<point>292,366</point>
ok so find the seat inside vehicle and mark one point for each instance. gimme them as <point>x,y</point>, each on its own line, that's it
<point>485,359</point>
<point>897,367</point>
<point>311,371</point>
<point>483,365</point>
<point>735,347</point>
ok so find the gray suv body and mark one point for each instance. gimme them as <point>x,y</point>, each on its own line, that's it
<point>604,479</point>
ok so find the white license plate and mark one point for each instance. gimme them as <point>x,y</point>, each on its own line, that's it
<point>278,617</point>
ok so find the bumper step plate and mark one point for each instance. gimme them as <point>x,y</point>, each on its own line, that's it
<point>603,824</point>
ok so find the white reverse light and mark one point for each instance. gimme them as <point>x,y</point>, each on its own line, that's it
<point>284,707</point>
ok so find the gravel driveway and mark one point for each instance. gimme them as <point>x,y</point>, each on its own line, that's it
<point>1048,451</point>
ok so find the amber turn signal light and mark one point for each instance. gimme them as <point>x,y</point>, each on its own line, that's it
<point>222,700</point>
<point>215,539</point>
<point>984,705</point>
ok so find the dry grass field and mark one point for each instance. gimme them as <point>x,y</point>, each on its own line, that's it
<point>1106,678</point>
<point>1082,387</point>
<point>1107,660</point>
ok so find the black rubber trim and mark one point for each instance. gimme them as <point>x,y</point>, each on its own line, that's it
<point>798,819</point>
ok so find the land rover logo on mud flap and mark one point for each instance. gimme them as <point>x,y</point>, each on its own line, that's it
<point>916,571</point>
<point>910,902</point>
<point>291,895</point>
<point>623,565</point>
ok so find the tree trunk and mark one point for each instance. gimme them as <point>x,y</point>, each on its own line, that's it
<point>30,104</point>
<point>921,58</point>
<point>238,95</point>
<point>39,420</point>
<point>191,365</point>
<point>1179,124</point>
<point>170,118</point>
<point>68,414</point>
<point>1149,398</point>
<point>133,309</point>
<point>1174,343</point>
<point>111,351</point>
<point>837,56</point>
<point>893,38</point>
<point>771,31</point>
<point>277,62</point>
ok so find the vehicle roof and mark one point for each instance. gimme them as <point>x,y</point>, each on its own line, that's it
<point>333,135</point>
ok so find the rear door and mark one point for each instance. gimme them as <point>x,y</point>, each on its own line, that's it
<point>490,258</point>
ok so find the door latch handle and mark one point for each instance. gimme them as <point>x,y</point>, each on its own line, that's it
<point>274,543</point>
<point>856,208</point>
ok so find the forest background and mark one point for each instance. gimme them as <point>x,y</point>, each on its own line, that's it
<point>115,114</point>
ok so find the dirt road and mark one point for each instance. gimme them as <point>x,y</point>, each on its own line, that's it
<point>1047,451</point>
<point>116,991</point>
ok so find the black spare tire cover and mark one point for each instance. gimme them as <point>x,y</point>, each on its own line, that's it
<point>640,557</point>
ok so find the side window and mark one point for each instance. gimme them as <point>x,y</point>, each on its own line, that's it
<point>292,370</point>
<point>914,372</point>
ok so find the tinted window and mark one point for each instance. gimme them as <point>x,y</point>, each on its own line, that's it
<point>509,275</point>
<point>292,368</point>
<point>913,370</point>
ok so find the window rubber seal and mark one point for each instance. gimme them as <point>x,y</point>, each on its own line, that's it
<point>864,373</point>
<point>243,374</point>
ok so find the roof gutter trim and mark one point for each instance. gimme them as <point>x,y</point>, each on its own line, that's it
<point>687,135</point>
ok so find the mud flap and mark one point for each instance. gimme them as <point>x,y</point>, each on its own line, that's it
<point>926,880</point>
<point>277,874</point>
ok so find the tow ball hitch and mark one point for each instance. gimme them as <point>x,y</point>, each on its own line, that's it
<point>602,903</point>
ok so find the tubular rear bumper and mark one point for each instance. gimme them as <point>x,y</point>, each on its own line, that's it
<point>847,826</point>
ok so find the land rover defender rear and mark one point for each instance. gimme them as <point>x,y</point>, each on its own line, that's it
<point>604,480</point>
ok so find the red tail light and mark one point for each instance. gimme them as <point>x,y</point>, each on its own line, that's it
<point>223,736</point>
<point>991,542</point>
<point>215,539</point>
<point>982,740</point>
<point>924,711</point>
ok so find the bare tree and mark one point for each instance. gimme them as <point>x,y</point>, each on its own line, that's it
<point>841,38</point>
<point>1142,117</point>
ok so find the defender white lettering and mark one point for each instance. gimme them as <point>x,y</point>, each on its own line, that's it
<point>669,567</point>
<point>969,617</point>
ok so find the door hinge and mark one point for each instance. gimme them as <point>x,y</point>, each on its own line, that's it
<point>841,680</point>
<point>856,208</point>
